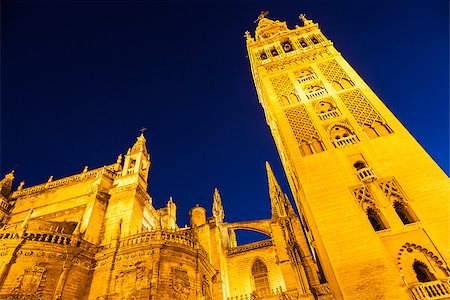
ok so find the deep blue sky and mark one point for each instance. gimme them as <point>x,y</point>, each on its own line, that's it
<point>79,80</point>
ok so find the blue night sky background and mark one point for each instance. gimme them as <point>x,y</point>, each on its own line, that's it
<point>79,79</point>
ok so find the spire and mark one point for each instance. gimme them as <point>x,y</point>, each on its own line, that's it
<point>217,209</point>
<point>279,200</point>
<point>140,145</point>
<point>6,184</point>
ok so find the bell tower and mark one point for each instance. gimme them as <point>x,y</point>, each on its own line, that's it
<point>373,204</point>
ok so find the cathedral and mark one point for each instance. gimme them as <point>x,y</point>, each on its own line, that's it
<point>373,218</point>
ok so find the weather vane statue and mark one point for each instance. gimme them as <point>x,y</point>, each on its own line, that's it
<point>261,16</point>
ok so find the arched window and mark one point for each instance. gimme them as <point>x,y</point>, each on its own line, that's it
<point>359,165</point>
<point>374,219</point>
<point>260,278</point>
<point>422,272</point>
<point>403,213</point>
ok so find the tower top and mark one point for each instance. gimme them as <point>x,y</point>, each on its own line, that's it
<point>140,144</point>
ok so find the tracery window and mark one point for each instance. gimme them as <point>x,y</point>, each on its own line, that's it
<point>403,213</point>
<point>375,219</point>
<point>423,274</point>
<point>260,278</point>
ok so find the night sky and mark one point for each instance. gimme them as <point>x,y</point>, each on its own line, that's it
<point>78,81</point>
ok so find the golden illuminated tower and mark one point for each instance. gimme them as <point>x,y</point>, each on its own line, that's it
<point>374,205</point>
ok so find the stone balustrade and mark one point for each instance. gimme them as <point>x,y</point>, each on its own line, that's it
<point>317,93</point>
<point>329,114</point>
<point>438,289</point>
<point>250,246</point>
<point>344,141</point>
<point>307,78</point>
<point>268,295</point>
<point>366,175</point>
<point>182,237</point>
<point>108,171</point>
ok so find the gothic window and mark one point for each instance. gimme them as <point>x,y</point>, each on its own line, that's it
<point>314,40</point>
<point>287,46</point>
<point>374,219</point>
<point>403,212</point>
<point>260,278</point>
<point>423,274</point>
<point>132,163</point>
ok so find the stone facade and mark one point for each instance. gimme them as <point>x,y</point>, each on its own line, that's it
<point>96,235</point>
<point>373,220</point>
<point>374,205</point>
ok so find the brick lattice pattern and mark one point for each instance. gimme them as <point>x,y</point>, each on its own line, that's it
<point>332,71</point>
<point>360,108</point>
<point>301,124</point>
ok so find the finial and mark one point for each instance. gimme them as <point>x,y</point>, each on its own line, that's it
<point>85,169</point>
<point>50,179</point>
<point>21,184</point>
<point>261,16</point>
<point>170,200</point>
<point>218,211</point>
<point>26,220</point>
<point>119,159</point>
<point>143,129</point>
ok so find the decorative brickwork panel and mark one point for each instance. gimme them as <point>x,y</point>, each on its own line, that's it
<point>361,108</point>
<point>332,71</point>
<point>301,124</point>
<point>284,89</point>
<point>304,131</point>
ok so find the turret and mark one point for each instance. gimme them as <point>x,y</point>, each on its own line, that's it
<point>6,184</point>
<point>137,159</point>
<point>198,216</point>
<point>169,215</point>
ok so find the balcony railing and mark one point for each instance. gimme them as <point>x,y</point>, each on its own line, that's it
<point>315,94</point>
<point>329,114</point>
<point>366,175</point>
<point>437,289</point>
<point>342,142</point>
<point>307,78</point>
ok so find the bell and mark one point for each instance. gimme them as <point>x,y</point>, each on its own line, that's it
<point>287,47</point>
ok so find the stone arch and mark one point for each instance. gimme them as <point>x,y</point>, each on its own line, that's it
<point>257,226</point>
<point>409,253</point>
<point>343,125</point>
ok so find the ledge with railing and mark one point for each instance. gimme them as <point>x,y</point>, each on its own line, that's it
<point>437,289</point>
<point>183,237</point>
<point>344,141</point>
<point>317,93</point>
<point>51,237</point>
<point>250,246</point>
<point>108,171</point>
<point>329,114</point>
<point>307,78</point>
<point>366,175</point>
